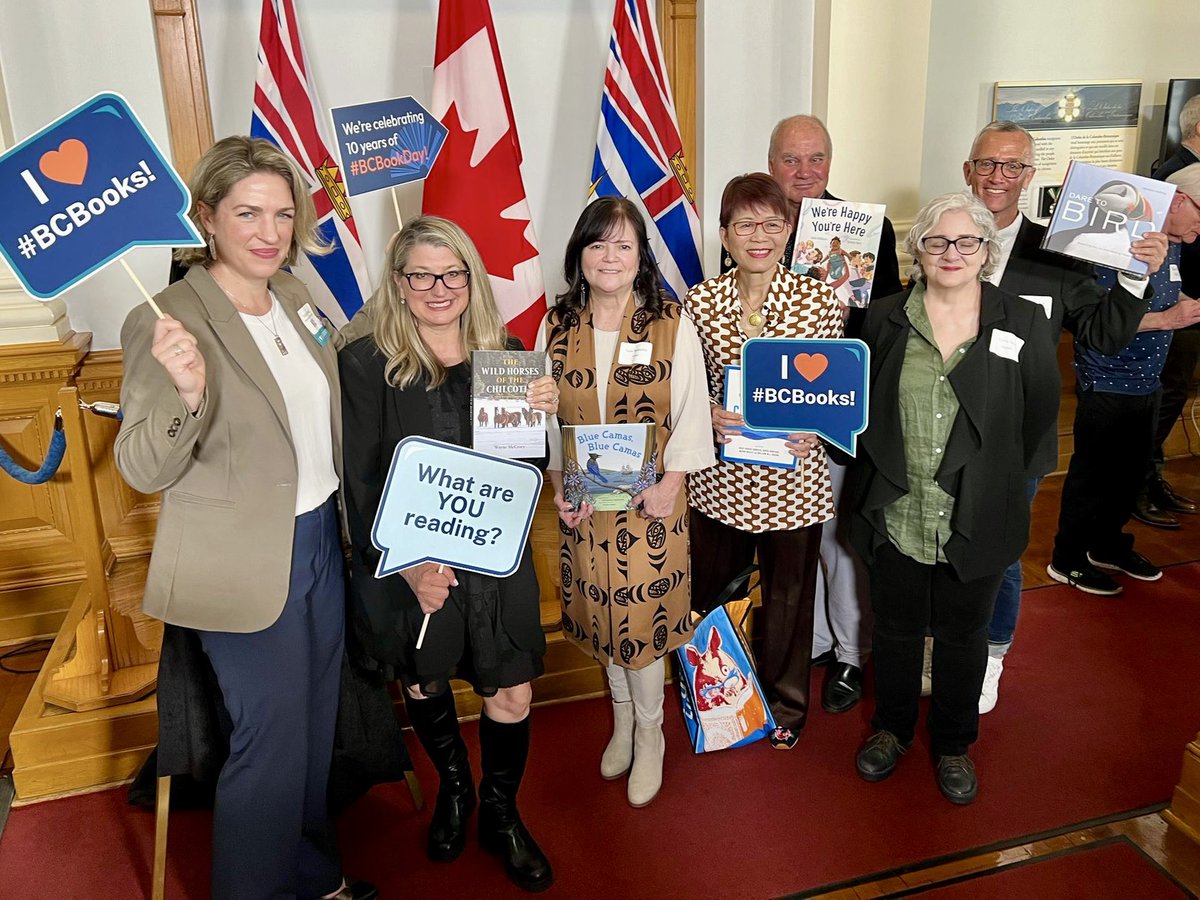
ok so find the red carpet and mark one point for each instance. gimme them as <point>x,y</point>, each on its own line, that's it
<point>1108,870</point>
<point>1097,704</point>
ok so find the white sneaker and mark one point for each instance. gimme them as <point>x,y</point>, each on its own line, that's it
<point>991,684</point>
<point>927,668</point>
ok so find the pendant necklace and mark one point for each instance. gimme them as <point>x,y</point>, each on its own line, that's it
<point>755,319</point>
<point>270,314</point>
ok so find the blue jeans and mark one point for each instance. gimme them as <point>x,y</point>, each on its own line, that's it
<point>1008,598</point>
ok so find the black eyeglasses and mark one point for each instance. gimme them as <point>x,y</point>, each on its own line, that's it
<point>968,245</point>
<point>1011,169</point>
<point>746,227</point>
<point>455,279</point>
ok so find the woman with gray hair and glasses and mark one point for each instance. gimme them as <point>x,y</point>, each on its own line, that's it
<point>964,383</point>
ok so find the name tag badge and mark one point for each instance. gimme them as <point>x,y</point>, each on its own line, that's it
<point>1043,302</point>
<point>315,326</point>
<point>1006,344</point>
<point>635,354</point>
<point>1174,270</point>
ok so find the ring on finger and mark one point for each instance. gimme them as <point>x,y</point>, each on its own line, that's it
<point>178,349</point>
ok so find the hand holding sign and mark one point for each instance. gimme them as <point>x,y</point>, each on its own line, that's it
<point>806,386</point>
<point>452,506</point>
<point>83,191</point>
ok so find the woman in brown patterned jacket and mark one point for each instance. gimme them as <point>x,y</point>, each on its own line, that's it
<point>739,508</point>
<point>623,352</point>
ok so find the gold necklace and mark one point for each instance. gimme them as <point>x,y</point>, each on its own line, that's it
<point>754,317</point>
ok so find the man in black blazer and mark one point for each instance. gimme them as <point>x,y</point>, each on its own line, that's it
<point>1158,503</point>
<point>1000,167</point>
<point>799,158</point>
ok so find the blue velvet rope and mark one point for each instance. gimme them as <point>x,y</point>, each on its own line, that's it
<point>54,456</point>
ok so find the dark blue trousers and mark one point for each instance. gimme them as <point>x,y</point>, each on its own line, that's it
<point>271,832</point>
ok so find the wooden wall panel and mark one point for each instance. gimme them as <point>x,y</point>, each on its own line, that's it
<point>185,85</point>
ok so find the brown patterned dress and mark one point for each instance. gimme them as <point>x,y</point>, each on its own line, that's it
<point>625,588</point>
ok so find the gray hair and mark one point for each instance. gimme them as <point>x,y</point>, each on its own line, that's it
<point>1002,127</point>
<point>1187,180</point>
<point>932,211</point>
<point>1189,118</point>
<point>791,121</point>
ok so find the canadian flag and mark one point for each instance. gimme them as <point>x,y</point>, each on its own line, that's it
<point>476,181</point>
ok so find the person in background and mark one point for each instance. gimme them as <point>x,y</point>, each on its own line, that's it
<point>232,410</point>
<point>1000,167</point>
<point>622,351</point>
<point>1115,417</point>
<point>411,376</point>
<point>1158,504</point>
<point>799,159</point>
<point>964,384</point>
<point>739,509</point>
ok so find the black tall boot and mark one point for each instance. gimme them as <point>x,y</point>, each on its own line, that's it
<point>504,748</point>
<point>436,723</point>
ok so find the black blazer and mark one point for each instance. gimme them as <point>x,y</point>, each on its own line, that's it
<point>1005,407</point>
<point>376,417</point>
<point>1101,320</point>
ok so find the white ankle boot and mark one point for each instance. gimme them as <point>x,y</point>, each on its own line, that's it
<point>619,752</point>
<point>645,778</point>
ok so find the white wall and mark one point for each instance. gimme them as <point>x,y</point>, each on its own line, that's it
<point>754,66</point>
<point>55,56</point>
<point>973,43</point>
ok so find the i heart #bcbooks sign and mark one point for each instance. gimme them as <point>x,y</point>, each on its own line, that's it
<point>819,386</point>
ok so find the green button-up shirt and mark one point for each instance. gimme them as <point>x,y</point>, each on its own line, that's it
<point>918,523</point>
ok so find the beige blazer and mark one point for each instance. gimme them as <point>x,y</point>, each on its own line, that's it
<point>222,554</point>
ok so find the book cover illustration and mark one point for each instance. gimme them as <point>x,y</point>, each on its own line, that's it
<point>837,243</point>
<point>607,465</point>
<point>1100,212</point>
<point>763,448</point>
<point>504,423</point>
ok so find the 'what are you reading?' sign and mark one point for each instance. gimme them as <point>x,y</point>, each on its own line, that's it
<point>446,504</point>
<point>82,191</point>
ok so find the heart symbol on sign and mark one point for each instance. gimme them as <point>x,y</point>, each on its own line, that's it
<point>67,164</point>
<point>810,365</point>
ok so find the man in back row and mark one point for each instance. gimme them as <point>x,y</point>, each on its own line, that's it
<point>1000,167</point>
<point>799,158</point>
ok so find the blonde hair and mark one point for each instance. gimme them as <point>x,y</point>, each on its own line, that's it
<point>395,332</point>
<point>226,163</point>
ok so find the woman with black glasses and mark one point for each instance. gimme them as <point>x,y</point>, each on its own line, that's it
<point>964,384</point>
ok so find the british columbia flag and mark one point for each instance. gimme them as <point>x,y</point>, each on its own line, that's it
<point>639,154</point>
<point>287,114</point>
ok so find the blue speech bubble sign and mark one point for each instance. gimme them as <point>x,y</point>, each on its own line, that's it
<point>84,190</point>
<point>448,504</point>
<point>815,385</point>
<point>386,143</point>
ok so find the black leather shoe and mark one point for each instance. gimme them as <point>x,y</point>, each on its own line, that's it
<point>843,688</point>
<point>1150,513</point>
<point>956,779</point>
<point>1166,499</point>
<point>356,890</point>
<point>877,758</point>
<point>828,658</point>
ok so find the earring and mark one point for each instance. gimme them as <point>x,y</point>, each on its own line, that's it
<point>212,245</point>
<point>728,263</point>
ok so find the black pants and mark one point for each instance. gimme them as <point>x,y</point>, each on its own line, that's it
<point>909,599</point>
<point>787,563</point>
<point>1178,372</point>
<point>1114,436</point>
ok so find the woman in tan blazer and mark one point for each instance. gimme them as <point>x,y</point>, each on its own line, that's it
<point>232,410</point>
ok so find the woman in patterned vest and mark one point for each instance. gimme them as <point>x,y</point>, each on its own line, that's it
<point>623,352</point>
<point>740,508</point>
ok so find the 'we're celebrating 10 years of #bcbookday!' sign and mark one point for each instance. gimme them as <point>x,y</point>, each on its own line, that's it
<point>82,191</point>
<point>818,386</point>
<point>450,505</point>
<point>386,143</point>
